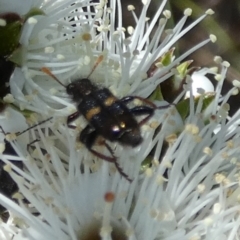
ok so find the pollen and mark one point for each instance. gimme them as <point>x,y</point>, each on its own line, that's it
<point>11,136</point>
<point>188,12</point>
<point>230,144</point>
<point>191,128</point>
<point>201,188</point>
<point>32,20</point>
<point>3,22</point>
<point>60,57</point>
<point>7,168</point>
<point>217,59</point>
<point>213,38</point>
<point>105,231</point>
<point>2,147</point>
<point>235,92</point>
<point>167,14</point>
<point>217,208</point>
<point>8,98</point>
<point>208,151</point>
<point>218,77</point>
<point>219,178</point>
<point>149,173</point>
<point>130,8</point>
<point>160,180</point>
<point>86,37</point>
<point>226,64</point>
<point>210,11</point>
<point>109,197</point>
<point>171,138</point>
<point>129,232</point>
<point>18,196</point>
<point>49,50</point>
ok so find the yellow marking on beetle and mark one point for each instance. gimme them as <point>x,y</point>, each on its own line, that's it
<point>92,112</point>
<point>109,101</point>
<point>122,124</point>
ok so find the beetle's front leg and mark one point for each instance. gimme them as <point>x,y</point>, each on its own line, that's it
<point>72,118</point>
<point>88,136</point>
<point>143,110</point>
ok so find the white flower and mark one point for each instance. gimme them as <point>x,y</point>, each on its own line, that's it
<point>191,194</point>
<point>67,40</point>
<point>188,190</point>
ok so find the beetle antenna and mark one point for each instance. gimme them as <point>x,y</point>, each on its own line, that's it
<point>48,72</point>
<point>99,60</point>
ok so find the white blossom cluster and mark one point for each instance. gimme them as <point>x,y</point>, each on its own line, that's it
<point>189,189</point>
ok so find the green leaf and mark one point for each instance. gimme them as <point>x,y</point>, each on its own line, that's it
<point>146,164</point>
<point>208,99</point>
<point>164,60</point>
<point>167,57</point>
<point>18,56</point>
<point>33,12</point>
<point>10,33</point>
<point>26,113</point>
<point>156,95</point>
<point>184,108</point>
<point>183,68</point>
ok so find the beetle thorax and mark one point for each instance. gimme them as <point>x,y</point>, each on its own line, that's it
<point>80,88</point>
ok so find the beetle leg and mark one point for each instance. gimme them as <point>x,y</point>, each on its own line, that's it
<point>71,118</point>
<point>144,100</point>
<point>29,145</point>
<point>143,110</point>
<point>120,170</point>
<point>88,137</point>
